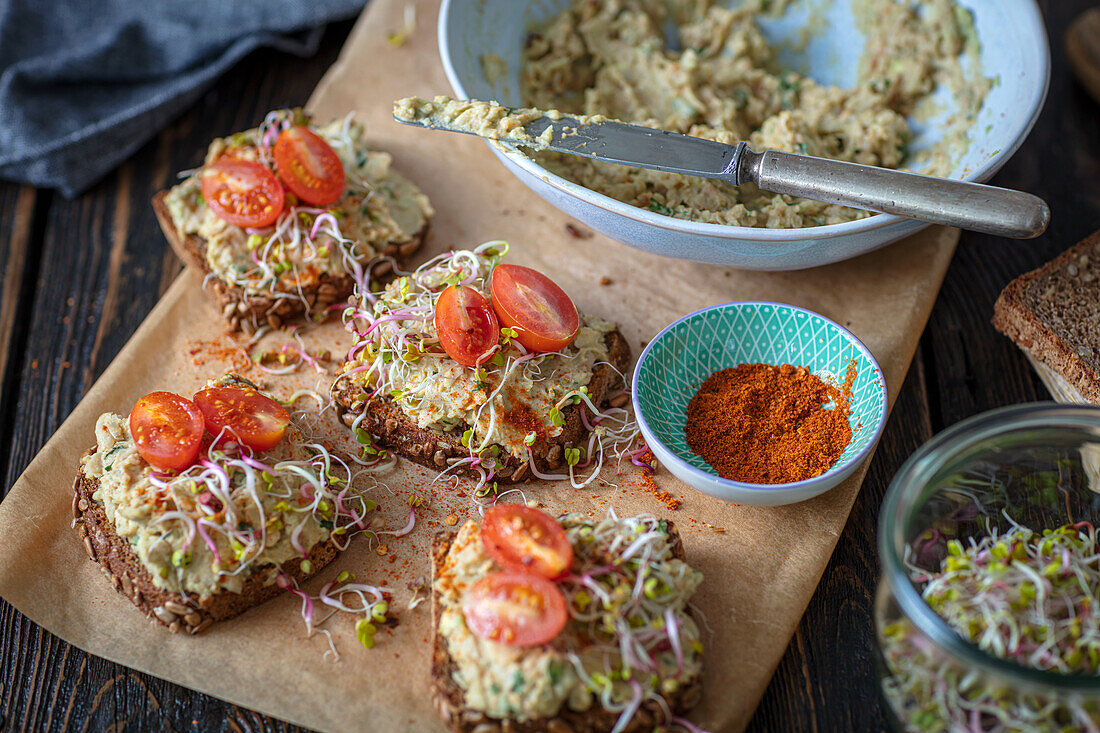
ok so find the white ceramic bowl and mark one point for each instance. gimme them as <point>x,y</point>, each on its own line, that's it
<point>1013,49</point>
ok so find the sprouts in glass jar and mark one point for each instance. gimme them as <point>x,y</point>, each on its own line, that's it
<point>986,614</point>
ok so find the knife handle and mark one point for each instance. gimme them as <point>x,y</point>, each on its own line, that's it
<point>974,206</point>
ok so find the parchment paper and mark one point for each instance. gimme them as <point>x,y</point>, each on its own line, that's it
<point>761,564</point>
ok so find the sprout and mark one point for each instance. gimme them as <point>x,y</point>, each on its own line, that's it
<point>342,596</point>
<point>238,506</point>
<point>1019,595</point>
<point>638,645</point>
<point>364,632</point>
<point>555,417</point>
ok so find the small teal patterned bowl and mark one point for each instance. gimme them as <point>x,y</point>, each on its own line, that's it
<point>685,353</point>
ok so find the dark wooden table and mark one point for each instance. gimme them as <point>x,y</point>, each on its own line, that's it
<point>79,276</point>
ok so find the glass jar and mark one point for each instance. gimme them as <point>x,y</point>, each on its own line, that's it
<point>1036,466</point>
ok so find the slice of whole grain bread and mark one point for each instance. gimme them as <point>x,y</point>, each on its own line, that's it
<point>132,579</point>
<point>449,698</point>
<point>1053,314</point>
<point>438,450</point>
<point>251,312</point>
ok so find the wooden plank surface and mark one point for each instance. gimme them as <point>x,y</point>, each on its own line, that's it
<point>18,206</point>
<point>77,277</point>
<point>99,264</point>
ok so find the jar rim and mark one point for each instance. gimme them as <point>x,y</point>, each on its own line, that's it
<point>901,502</point>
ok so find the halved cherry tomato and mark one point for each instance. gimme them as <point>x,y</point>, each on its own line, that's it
<point>466,325</point>
<point>517,609</point>
<point>535,307</point>
<point>167,430</point>
<point>242,192</point>
<point>247,416</point>
<point>525,539</point>
<point>309,166</point>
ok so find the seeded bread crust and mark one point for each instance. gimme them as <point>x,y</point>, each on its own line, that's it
<point>1053,314</point>
<point>438,450</point>
<point>449,698</point>
<point>132,579</point>
<point>249,313</point>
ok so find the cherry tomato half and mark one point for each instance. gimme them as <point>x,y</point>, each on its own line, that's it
<point>524,539</point>
<point>466,324</point>
<point>249,417</point>
<point>167,430</point>
<point>309,166</point>
<point>535,307</point>
<point>242,192</point>
<point>517,609</point>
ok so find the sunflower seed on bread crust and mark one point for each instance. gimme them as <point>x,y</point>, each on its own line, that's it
<point>169,609</point>
<point>429,447</point>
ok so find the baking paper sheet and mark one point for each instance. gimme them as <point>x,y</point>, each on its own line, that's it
<point>761,564</point>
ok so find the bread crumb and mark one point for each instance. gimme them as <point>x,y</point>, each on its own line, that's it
<point>383,549</point>
<point>605,280</point>
<point>451,520</point>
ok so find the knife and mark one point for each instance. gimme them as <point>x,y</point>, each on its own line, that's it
<point>999,211</point>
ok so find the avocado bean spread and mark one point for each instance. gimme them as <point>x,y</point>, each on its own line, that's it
<point>719,79</point>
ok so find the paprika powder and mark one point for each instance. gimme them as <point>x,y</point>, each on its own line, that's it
<point>767,424</point>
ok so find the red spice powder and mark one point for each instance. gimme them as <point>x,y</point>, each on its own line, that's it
<point>670,501</point>
<point>767,424</point>
<point>233,354</point>
<point>523,419</point>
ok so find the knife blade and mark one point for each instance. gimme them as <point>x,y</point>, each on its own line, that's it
<point>612,142</point>
<point>637,146</point>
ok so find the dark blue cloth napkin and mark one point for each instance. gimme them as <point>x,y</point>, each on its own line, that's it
<point>84,83</point>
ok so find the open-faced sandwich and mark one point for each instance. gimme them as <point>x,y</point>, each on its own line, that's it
<point>484,369</point>
<point>576,624</point>
<point>285,218</point>
<point>198,509</point>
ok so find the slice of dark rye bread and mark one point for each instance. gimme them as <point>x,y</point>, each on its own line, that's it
<point>132,579</point>
<point>449,698</point>
<point>438,450</point>
<point>249,313</point>
<point>1053,314</point>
